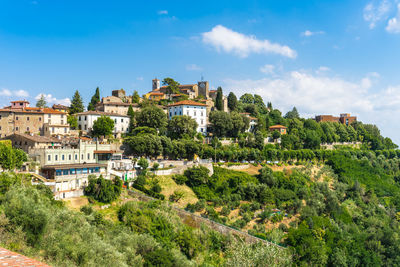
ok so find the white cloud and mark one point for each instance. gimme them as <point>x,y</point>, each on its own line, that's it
<point>393,25</point>
<point>308,33</point>
<point>193,67</point>
<point>53,100</point>
<point>162,12</point>
<point>268,69</point>
<point>5,92</point>
<point>242,45</point>
<point>21,93</point>
<point>139,78</point>
<point>324,68</point>
<point>13,93</point>
<point>376,11</point>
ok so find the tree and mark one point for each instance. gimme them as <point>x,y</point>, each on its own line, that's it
<point>238,124</point>
<point>72,121</point>
<point>143,163</point>
<point>218,100</point>
<point>153,117</point>
<point>41,103</point>
<point>232,101</point>
<point>95,99</point>
<point>103,126</point>
<point>76,104</point>
<point>293,114</point>
<point>135,97</point>
<point>247,99</point>
<point>103,190</point>
<point>181,125</point>
<point>197,175</point>
<point>172,86</point>
<point>276,134</point>
<point>145,145</point>
<point>221,123</point>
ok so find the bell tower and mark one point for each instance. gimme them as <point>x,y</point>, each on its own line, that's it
<point>156,84</point>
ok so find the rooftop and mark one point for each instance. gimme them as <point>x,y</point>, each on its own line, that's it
<point>100,113</point>
<point>68,166</point>
<point>187,102</point>
<point>277,127</point>
<point>36,138</point>
<point>9,258</point>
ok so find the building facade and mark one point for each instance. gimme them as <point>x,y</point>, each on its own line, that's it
<point>86,120</point>
<point>345,118</point>
<point>195,110</point>
<point>113,104</point>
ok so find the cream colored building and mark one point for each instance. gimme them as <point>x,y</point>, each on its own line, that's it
<point>113,104</point>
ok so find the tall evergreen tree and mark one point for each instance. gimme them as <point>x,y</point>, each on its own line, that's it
<point>76,104</point>
<point>135,97</point>
<point>41,103</point>
<point>218,100</point>
<point>232,101</point>
<point>95,99</point>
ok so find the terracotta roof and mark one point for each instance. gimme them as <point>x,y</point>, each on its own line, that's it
<point>9,258</point>
<point>76,165</point>
<point>155,93</point>
<point>34,110</point>
<point>115,103</point>
<point>187,102</point>
<point>252,118</point>
<point>277,127</point>
<point>100,113</point>
<point>20,101</point>
<point>36,138</point>
<point>59,106</point>
<point>212,91</point>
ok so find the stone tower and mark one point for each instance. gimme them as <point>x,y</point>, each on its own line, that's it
<point>156,84</point>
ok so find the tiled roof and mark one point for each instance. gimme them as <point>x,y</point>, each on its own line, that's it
<point>36,138</point>
<point>187,102</point>
<point>156,93</point>
<point>33,110</point>
<point>278,127</point>
<point>115,103</point>
<point>100,113</point>
<point>59,106</point>
<point>20,101</point>
<point>181,86</point>
<point>9,258</point>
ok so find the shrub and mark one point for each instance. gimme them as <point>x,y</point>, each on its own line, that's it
<point>197,175</point>
<point>180,179</point>
<point>104,190</point>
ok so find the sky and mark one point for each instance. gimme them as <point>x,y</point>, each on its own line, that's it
<point>324,57</point>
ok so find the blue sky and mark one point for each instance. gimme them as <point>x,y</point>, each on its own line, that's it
<point>324,57</point>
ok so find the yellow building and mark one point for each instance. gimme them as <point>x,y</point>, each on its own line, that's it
<point>155,96</point>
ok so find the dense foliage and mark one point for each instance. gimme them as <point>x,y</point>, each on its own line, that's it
<point>146,234</point>
<point>103,190</point>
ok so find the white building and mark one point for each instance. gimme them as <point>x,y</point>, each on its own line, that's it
<point>55,122</point>
<point>195,110</point>
<point>86,120</point>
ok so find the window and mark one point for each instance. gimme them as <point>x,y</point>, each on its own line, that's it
<point>27,118</point>
<point>52,129</point>
<point>65,130</point>
<point>56,157</point>
<point>88,155</point>
<point>69,157</point>
<point>49,157</point>
<point>49,116</point>
<point>201,122</point>
<point>27,129</point>
<point>122,120</point>
<point>63,157</point>
<point>76,156</point>
<point>187,112</point>
<point>16,128</point>
<point>85,127</point>
<point>40,118</point>
<point>80,118</point>
<point>65,172</point>
<point>82,157</point>
<point>62,116</point>
<point>115,120</point>
<point>201,129</point>
<point>16,118</point>
<point>195,113</point>
<point>62,121</point>
<point>58,173</point>
<point>202,113</point>
<point>73,171</point>
<point>85,118</point>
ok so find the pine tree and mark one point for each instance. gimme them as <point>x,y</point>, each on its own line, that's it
<point>135,97</point>
<point>218,100</point>
<point>232,101</point>
<point>95,99</point>
<point>41,103</point>
<point>76,104</point>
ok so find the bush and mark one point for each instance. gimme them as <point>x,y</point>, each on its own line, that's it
<point>104,190</point>
<point>180,179</point>
<point>283,227</point>
<point>197,175</point>
<point>156,188</point>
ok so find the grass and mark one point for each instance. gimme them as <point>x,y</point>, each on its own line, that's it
<point>168,186</point>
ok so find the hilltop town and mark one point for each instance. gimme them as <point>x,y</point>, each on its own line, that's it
<point>192,169</point>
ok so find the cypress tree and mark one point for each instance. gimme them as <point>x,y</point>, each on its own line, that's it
<point>76,104</point>
<point>218,101</point>
<point>95,99</point>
